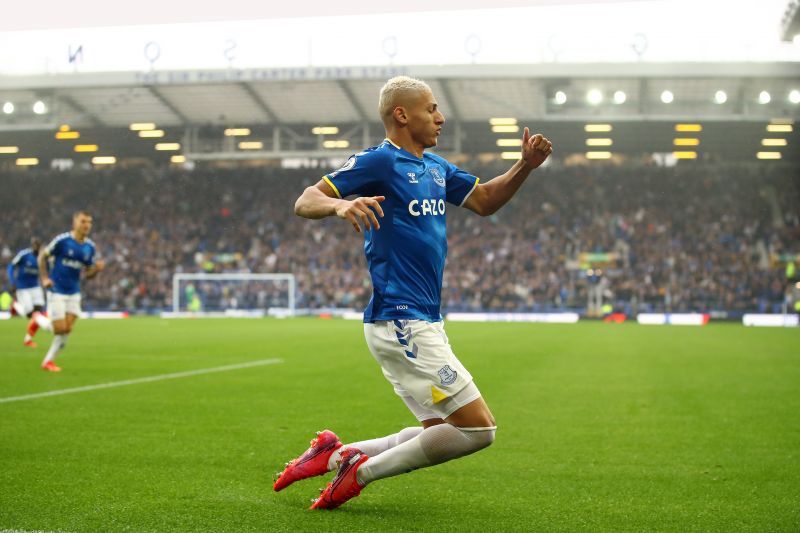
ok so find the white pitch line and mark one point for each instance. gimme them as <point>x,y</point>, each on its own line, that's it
<point>149,379</point>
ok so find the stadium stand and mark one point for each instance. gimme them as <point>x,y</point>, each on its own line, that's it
<point>700,237</point>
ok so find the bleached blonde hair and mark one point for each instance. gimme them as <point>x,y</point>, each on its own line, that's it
<point>394,91</point>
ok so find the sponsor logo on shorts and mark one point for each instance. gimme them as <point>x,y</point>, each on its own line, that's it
<point>447,375</point>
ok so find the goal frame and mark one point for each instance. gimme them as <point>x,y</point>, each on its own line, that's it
<point>239,276</point>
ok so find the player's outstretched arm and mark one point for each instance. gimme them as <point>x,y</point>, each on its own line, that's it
<point>488,197</point>
<point>320,201</point>
<point>43,273</point>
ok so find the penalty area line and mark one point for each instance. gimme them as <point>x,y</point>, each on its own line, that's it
<point>137,381</point>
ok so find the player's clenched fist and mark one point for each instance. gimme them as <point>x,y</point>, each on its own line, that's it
<point>535,148</point>
<point>361,210</point>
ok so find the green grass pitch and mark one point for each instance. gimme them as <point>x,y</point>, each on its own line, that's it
<point>601,427</point>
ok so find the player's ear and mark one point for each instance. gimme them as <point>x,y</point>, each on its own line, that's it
<point>400,115</point>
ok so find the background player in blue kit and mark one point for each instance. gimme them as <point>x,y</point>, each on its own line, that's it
<point>23,275</point>
<point>70,253</point>
<point>402,194</point>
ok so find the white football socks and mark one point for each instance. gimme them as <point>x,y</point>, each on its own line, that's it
<point>377,446</point>
<point>43,321</point>
<point>18,308</point>
<point>434,446</point>
<point>59,341</point>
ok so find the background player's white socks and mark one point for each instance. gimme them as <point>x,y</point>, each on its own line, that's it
<point>377,446</point>
<point>435,445</point>
<point>43,321</point>
<point>59,341</point>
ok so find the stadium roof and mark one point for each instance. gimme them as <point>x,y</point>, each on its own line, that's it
<point>466,93</point>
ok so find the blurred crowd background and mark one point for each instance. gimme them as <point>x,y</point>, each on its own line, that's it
<point>700,237</point>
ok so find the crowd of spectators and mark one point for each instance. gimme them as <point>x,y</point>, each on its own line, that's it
<point>688,238</point>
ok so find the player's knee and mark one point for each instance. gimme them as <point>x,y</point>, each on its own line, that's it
<point>480,437</point>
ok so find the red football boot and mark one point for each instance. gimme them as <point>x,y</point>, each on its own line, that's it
<point>313,462</point>
<point>345,485</point>
<point>30,343</point>
<point>51,367</point>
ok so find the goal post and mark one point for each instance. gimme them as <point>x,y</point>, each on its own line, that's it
<point>201,293</point>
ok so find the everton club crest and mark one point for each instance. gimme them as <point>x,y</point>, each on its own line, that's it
<point>447,375</point>
<point>437,177</point>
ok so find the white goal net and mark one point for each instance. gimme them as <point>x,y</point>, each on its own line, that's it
<point>233,294</point>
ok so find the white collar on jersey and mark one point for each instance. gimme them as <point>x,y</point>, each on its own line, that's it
<point>392,143</point>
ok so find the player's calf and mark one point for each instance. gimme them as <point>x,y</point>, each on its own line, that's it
<point>37,320</point>
<point>435,445</point>
<point>17,309</point>
<point>41,319</point>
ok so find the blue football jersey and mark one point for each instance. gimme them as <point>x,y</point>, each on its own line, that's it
<point>406,256</point>
<point>23,272</point>
<point>69,258</point>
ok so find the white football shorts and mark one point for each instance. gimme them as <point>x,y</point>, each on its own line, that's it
<point>416,358</point>
<point>29,298</point>
<point>59,305</point>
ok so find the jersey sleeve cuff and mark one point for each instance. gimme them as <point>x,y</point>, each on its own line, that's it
<point>329,182</point>
<point>474,186</point>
